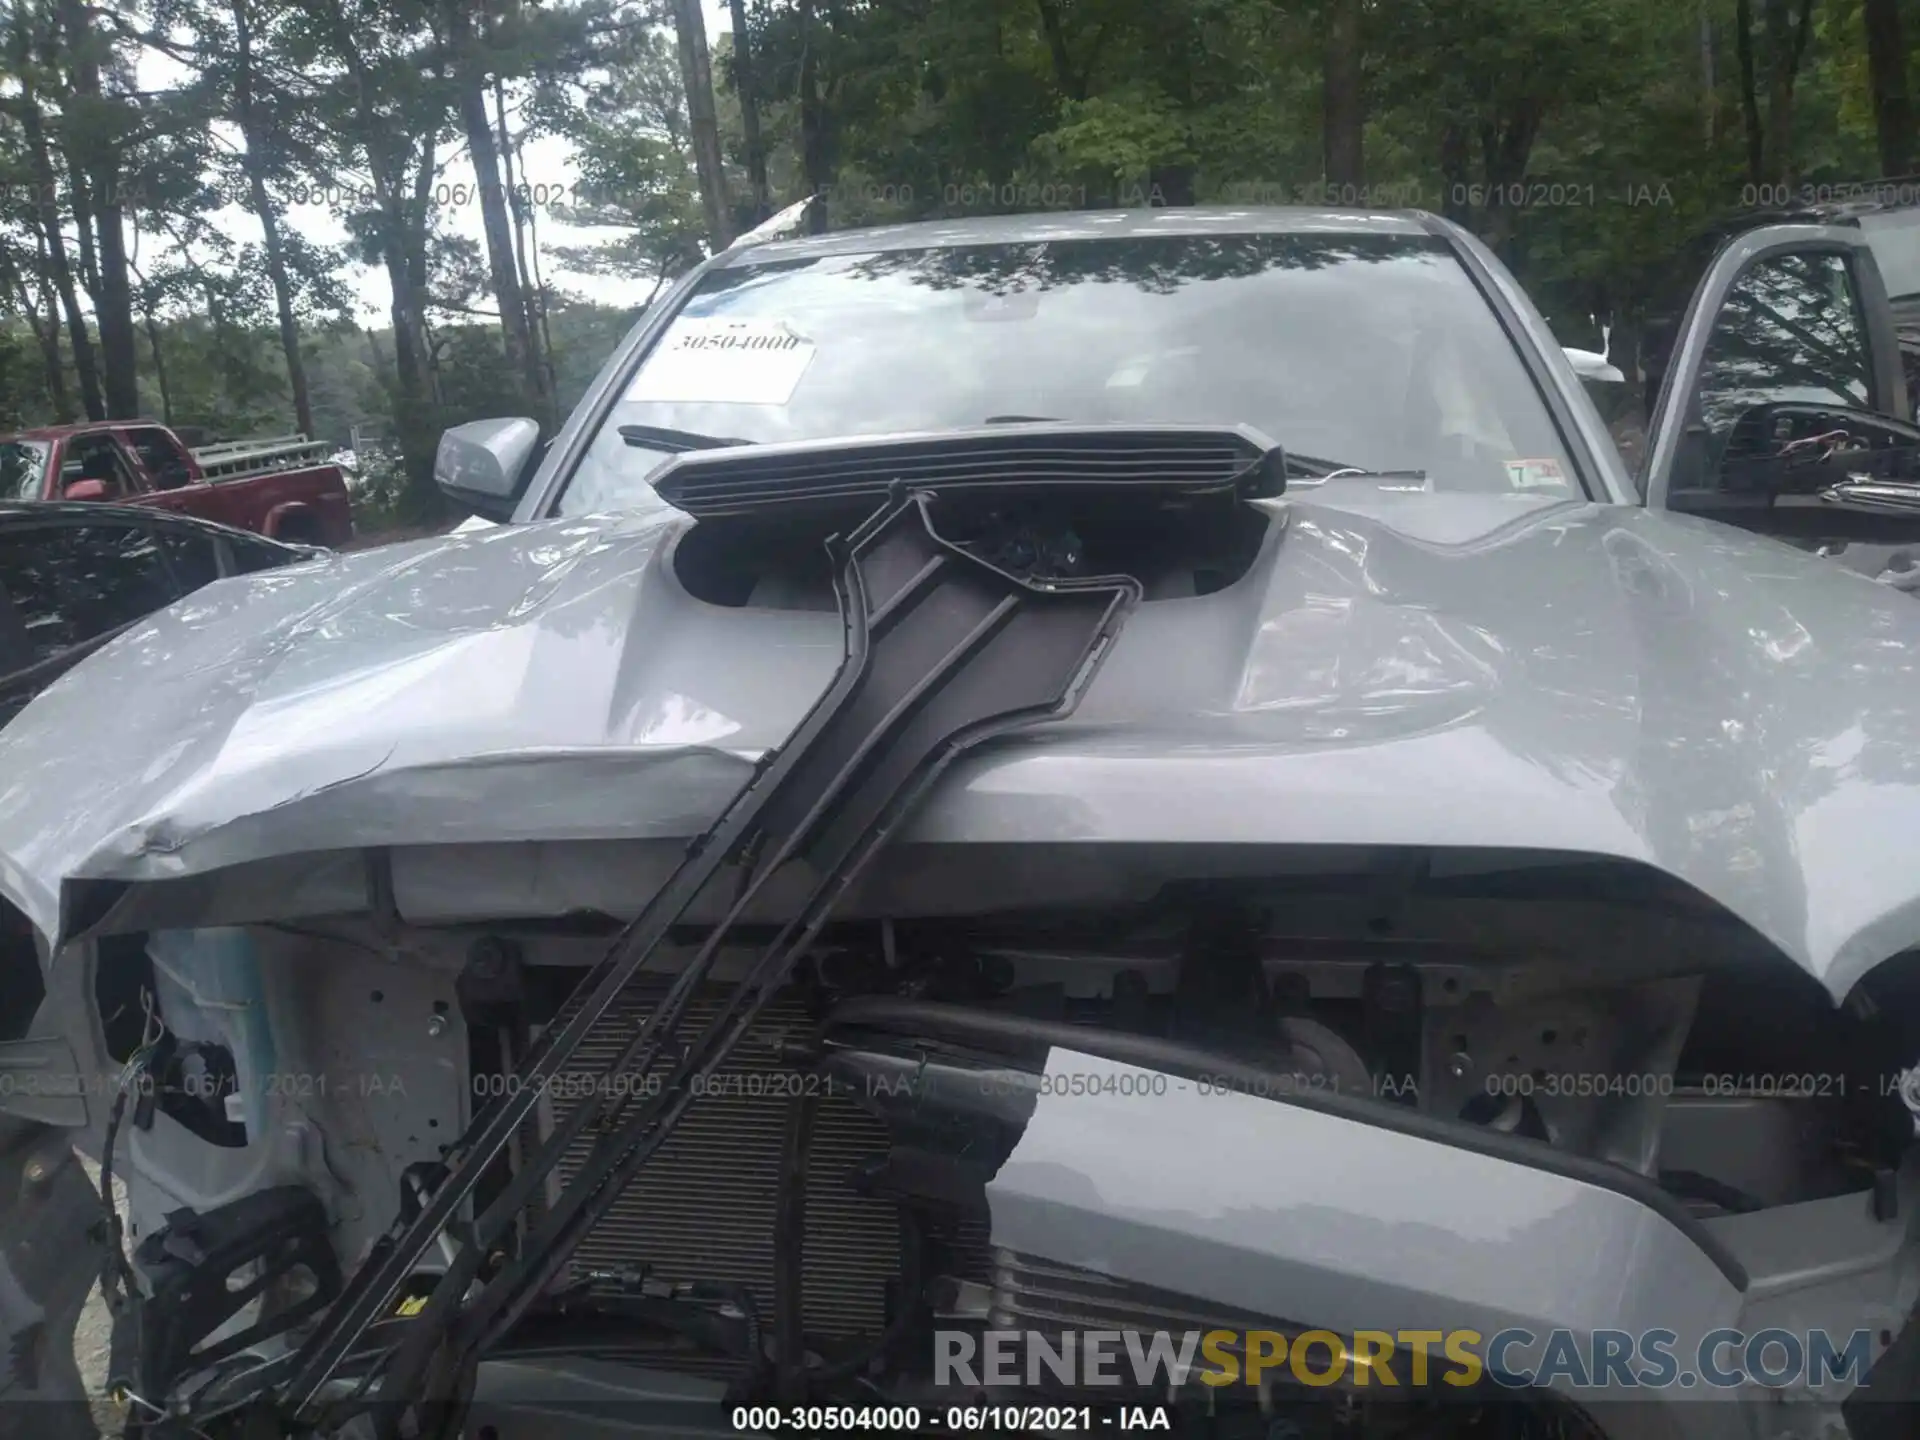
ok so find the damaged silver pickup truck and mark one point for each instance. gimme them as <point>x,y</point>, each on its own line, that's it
<point>1014,787</point>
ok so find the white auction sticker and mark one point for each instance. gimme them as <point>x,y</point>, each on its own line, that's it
<point>731,362</point>
<point>1536,475</point>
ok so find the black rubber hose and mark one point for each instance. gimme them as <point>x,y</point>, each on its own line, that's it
<point>929,1019</point>
<point>912,1280</point>
<point>1024,1035</point>
<point>789,1241</point>
<point>746,1383</point>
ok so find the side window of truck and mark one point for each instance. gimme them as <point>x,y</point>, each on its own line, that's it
<point>98,457</point>
<point>161,457</point>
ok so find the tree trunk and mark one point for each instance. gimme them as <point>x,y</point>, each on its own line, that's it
<point>526,256</point>
<point>80,197</point>
<point>423,421</point>
<point>747,87</point>
<point>497,227</point>
<point>538,290</point>
<point>696,73</point>
<point>113,302</point>
<point>60,273</point>
<point>816,160</point>
<point>46,334</point>
<point>1787,35</point>
<point>387,158</point>
<point>1887,73</point>
<point>1749,91</point>
<point>1709,84</point>
<point>1507,146</point>
<point>254,163</point>
<point>517,202</point>
<point>405,310</point>
<point>415,225</point>
<point>217,327</point>
<point>47,211</point>
<point>1072,81</point>
<point>470,82</point>
<point>1342,100</point>
<point>119,358</point>
<point>160,371</point>
<point>1455,174</point>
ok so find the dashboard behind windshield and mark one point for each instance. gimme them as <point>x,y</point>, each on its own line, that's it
<point>1368,350</point>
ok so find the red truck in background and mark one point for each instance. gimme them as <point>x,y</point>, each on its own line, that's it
<point>283,488</point>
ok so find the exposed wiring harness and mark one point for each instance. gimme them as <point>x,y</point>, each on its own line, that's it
<point>117,1281</point>
<point>119,1287</point>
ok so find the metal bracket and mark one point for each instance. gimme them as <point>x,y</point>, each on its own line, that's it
<point>202,1269</point>
<point>943,651</point>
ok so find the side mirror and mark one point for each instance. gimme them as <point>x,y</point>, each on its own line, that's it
<point>86,490</point>
<point>482,466</point>
<point>1591,365</point>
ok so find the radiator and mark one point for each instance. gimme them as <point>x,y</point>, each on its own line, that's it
<point>703,1207</point>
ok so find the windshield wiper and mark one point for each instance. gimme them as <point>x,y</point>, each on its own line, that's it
<point>675,442</point>
<point>1312,467</point>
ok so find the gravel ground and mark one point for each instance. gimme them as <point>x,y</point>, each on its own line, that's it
<point>90,1340</point>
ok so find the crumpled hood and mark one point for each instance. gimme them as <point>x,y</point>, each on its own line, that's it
<point>1412,670</point>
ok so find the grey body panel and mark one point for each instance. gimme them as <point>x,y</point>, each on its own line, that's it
<point>1341,1241</point>
<point>1417,670</point>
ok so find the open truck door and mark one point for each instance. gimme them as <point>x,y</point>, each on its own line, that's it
<point>1784,407</point>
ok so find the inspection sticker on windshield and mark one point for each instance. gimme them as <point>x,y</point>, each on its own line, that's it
<point>730,362</point>
<point>1536,475</point>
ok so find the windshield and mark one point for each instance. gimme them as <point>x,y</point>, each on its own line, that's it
<point>1371,351</point>
<point>23,468</point>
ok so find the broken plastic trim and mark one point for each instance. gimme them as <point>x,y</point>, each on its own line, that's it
<point>943,651</point>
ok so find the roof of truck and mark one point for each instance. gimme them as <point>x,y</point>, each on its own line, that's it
<point>59,432</point>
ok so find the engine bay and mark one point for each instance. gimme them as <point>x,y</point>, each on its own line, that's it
<point>811,1153</point>
<point>824,1209</point>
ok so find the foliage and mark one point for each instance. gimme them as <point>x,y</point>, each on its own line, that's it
<point>148,249</point>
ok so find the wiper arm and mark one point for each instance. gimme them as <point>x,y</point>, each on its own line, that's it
<point>1312,467</point>
<point>675,442</point>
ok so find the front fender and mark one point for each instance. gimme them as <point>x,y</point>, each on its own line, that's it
<point>1347,1215</point>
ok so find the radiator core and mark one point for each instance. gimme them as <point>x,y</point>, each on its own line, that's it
<point>703,1208</point>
